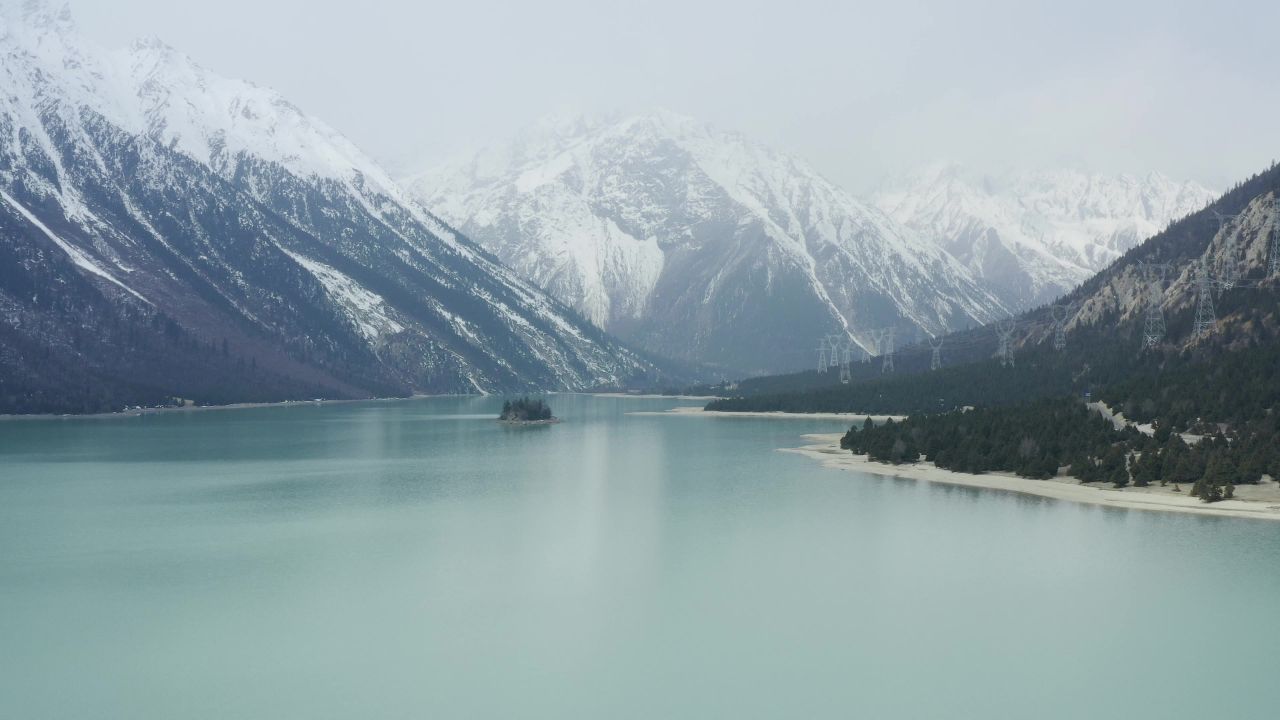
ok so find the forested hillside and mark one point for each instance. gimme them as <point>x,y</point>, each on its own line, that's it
<point>1024,412</point>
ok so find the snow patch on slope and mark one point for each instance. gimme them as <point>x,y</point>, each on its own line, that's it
<point>80,260</point>
<point>1042,233</point>
<point>367,310</point>
<point>599,210</point>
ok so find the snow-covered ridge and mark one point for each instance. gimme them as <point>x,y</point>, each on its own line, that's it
<point>658,225</point>
<point>242,220</point>
<point>151,88</point>
<point>1032,236</point>
<point>215,119</point>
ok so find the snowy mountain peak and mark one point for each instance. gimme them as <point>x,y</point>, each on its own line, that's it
<point>216,119</point>
<point>698,243</point>
<point>1032,236</point>
<point>49,15</point>
<point>168,210</point>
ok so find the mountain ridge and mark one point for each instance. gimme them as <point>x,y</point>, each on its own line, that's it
<point>1034,236</point>
<point>655,220</point>
<point>186,212</point>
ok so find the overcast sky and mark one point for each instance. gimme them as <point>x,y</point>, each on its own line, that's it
<point>859,89</point>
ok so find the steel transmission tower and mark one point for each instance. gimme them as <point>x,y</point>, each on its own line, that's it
<point>1061,314</point>
<point>1154,329</point>
<point>1273,262</point>
<point>833,341</point>
<point>1230,270</point>
<point>1206,318</point>
<point>846,361</point>
<point>1004,330</point>
<point>887,350</point>
<point>935,362</point>
<point>846,367</point>
<point>822,356</point>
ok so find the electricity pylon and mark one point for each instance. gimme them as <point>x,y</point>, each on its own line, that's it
<point>822,356</point>
<point>1273,262</point>
<point>1154,328</point>
<point>1206,318</point>
<point>1004,330</point>
<point>935,362</point>
<point>834,342</point>
<point>886,351</point>
<point>846,362</point>
<point>1229,274</point>
<point>1061,314</point>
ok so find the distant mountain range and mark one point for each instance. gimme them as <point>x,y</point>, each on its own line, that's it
<point>1131,335</point>
<point>1032,237</point>
<point>700,244</point>
<point>168,233</point>
<point>165,232</point>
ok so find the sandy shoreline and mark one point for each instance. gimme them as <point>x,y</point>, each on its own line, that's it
<point>645,396</point>
<point>826,449</point>
<point>699,412</point>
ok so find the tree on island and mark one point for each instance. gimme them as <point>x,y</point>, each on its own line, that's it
<point>526,409</point>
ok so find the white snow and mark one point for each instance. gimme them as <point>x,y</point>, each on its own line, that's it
<point>594,208</point>
<point>1060,226</point>
<point>51,77</point>
<point>81,260</point>
<point>367,310</point>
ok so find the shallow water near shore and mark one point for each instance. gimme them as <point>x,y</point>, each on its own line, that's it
<point>419,559</point>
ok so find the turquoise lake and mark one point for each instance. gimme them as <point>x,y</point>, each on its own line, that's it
<point>416,559</point>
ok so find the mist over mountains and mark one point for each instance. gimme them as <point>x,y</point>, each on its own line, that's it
<point>169,233</point>
<point>1030,237</point>
<point>698,243</point>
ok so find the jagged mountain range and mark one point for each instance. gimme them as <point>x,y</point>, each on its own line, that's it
<point>700,244</point>
<point>165,232</point>
<point>1225,272</point>
<point>1031,237</point>
<point>1234,258</point>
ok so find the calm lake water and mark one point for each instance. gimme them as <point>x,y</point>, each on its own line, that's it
<point>418,560</point>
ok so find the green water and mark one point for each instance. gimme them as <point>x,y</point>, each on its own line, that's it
<point>418,560</point>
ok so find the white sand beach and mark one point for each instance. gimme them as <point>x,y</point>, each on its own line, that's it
<point>1258,502</point>
<point>647,396</point>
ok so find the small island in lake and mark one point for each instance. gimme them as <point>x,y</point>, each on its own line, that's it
<point>527,411</point>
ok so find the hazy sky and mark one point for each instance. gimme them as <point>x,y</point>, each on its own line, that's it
<point>859,89</point>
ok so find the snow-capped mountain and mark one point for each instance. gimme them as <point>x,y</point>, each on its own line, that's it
<point>1031,237</point>
<point>697,243</point>
<point>168,232</point>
